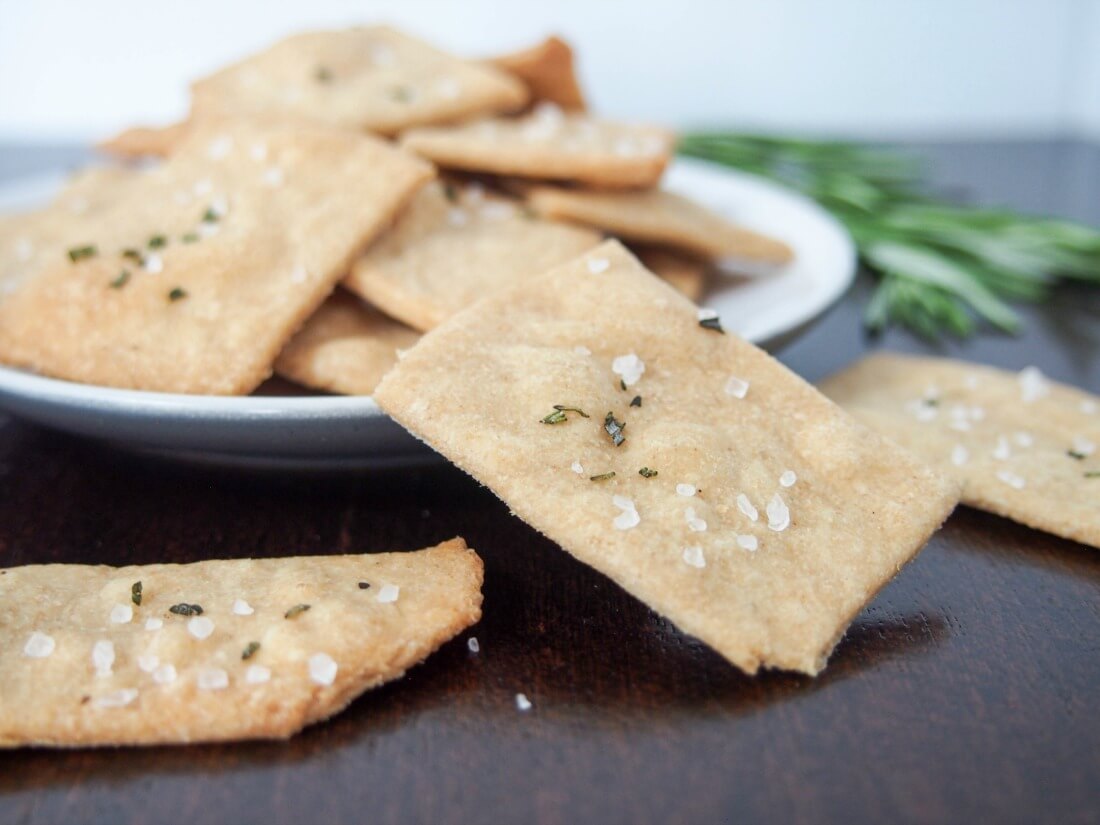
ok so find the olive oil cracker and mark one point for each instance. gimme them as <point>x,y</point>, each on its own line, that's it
<point>345,347</point>
<point>455,244</point>
<point>194,280</point>
<point>682,462</point>
<point>217,650</point>
<point>551,144</point>
<point>1022,446</point>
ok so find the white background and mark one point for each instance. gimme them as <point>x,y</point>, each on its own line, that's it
<point>77,69</point>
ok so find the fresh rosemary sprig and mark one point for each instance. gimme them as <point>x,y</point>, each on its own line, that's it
<point>940,267</point>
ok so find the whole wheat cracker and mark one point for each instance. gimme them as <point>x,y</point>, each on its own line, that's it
<point>345,347</point>
<point>831,510</point>
<point>280,643</point>
<point>548,70</point>
<point>661,217</point>
<point>549,144</point>
<point>1022,446</point>
<point>230,249</point>
<point>453,245</point>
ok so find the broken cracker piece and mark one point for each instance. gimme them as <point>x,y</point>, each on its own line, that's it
<point>195,277</point>
<point>345,347</point>
<point>454,245</point>
<point>217,650</point>
<point>1022,446</point>
<point>765,519</point>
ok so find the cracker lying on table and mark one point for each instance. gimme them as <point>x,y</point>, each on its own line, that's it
<point>548,71</point>
<point>217,650</point>
<point>1022,447</point>
<point>345,347</point>
<point>688,275</point>
<point>550,144</point>
<point>452,246</point>
<point>193,281</point>
<point>374,79</point>
<point>657,216</point>
<point>702,476</point>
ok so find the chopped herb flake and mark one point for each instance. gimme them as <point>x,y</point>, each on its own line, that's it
<point>296,611</point>
<point>450,192</point>
<point>559,414</point>
<point>931,402</point>
<point>645,472</point>
<point>135,593</point>
<point>211,215</point>
<point>177,294</point>
<point>1075,454</point>
<point>364,585</point>
<point>712,324</point>
<point>133,255</point>
<point>190,237</point>
<point>1092,474</point>
<point>323,74</point>
<point>636,401</point>
<point>120,280</point>
<point>614,429</point>
<point>602,476</point>
<point>622,384</point>
<point>527,211</point>
<point>184,609</point>
<point>402,94</point>
<point>157,241</point>
<point>249,650</point>
<point>80,252</point>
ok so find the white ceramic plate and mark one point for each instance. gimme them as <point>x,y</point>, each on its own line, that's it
<point>329,432</point>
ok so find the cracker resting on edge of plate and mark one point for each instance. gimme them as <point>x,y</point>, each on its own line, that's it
<point>454,245</point>
<point>1023,447</point>
<point>200,273</point>
<point>745,506</point>
<point>346,347</point>
<point>280,643</point>
<point>550,144</point>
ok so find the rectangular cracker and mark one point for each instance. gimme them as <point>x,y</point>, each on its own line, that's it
<point>548,71</point>
<point>688,275</point>
<point>253,242</point>
<point>369,78</point>
<point>550,144</point>
<point>1022,446</point>
<point>345,347</point>
<point>661,217</point>
<point>453,245</point>
<point>83,664</point>
<point>839,509</point>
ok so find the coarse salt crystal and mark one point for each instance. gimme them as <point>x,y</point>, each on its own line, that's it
<point>747,542</point>
<point>746,507</point>
<point>242,608</point>
<point>685,490</point>
<point>154,624</point>
<point>381,54</point>
<point>736,387</point>
<point>116,698</point>
<point>299,275</point>
<point>448,88</point>
<point>694,523</point>
<point>779,515</point>
<point>788,478</point>
<point>165,674</point>
<point>522,702</point>
<point>1082,446</point>
<point>577,468</point>
<point>39,645</point>
<point>203,186</point>
<point>213,678</point>
<point>274,176</point>
<point>1033,384</point>
<point>598,265</point>
<point>258,152</point>
<point>152,264</point>
<point>629,367</point>
<point>473,644</point>
<point>200,627</point>
<point>496,211</point>
<point>257,675</point>
<point>706,314</point>
<point>148,662</point>
<point>24,249</point>
<point>121,614</point>
<point>1002,452</point>
<point>103,657</point>
<point>1023,439</point>
<point>388,593</point>
<point>322,668</point>
<point>1011,479</point>
<point>207,229</point>
<point>693,557</point>
<point>628,517</point>
<point>220,147</point>
<point>582,350</point>
<point>1088,407</point>
<point>960,424</point>
<point>959,455</point>
<point>456,216</point>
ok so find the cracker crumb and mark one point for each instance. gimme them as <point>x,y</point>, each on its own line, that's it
<point>736,387</point>
<point>122,614</point>
<point>103,657</point>
<point>473,645</point>
<point>686,490</point>
<point>257,675</point>
<point>388,593</point>
<point>598,265</point>
<point>746,507</point>
<point>39,645</point>
<point>322,669</point>
<point>165,675</point>
<point>200,627</point>
<point>213,678</point>
<point>788,478</point>
<point>693,557</point>
<point>779,515</point>
<point>116,698</point>
<point>522,702</point>
<point>746,542</point>
<point>629,368</point>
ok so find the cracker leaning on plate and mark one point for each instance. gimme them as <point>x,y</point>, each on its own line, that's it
<point>345,347</point>
<point>1022,446</point>
<point>657,216</point>
<point>194,279</point>
<point>549,143</point>
<point>455,244</point>
<point>217,650</point>
<point>686,464</point>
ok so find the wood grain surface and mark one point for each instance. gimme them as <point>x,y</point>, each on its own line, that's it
<point>965,692</point>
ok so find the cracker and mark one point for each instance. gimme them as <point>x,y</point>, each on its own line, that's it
<point>454,245</point>
<point>657,216</point>
<point>1022,446</point>
<point>374,79</point>
<point>345,347</point>
<point>547,70</point>
<point>146,141</point>
<point>548,143</point>
<point>251,248</point>
<point>718,418</point>
<point>688,275</point>
<point>161,677</point>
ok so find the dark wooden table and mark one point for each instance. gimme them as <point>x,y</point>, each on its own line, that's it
<point>966,692</point>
